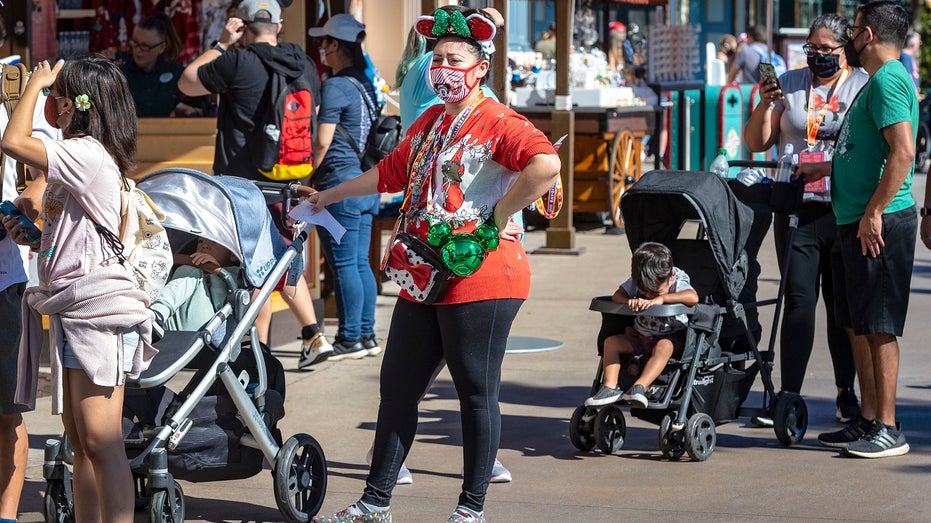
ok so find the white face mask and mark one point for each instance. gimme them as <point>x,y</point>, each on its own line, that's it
<point>322,52</point>
<point>449,83</point>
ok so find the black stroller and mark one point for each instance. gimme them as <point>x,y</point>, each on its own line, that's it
<point>223,424</point>
<point>714,238</point>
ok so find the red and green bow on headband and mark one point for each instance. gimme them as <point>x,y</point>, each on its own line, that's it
<point>444,22</point>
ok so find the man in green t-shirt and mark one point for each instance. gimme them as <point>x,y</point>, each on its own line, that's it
<point>875,250</point>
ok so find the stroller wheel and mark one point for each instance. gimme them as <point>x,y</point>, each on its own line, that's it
<point>671,441</point>
<point>300,478</point>
<point>610,429</point>
<point>581,428</point>
<point>58,507</point>
<point>790,418</point>
<point>700,436</point>
<point>167,506</point>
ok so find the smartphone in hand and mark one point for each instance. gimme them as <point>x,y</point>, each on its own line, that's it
<point>768,72</point>
<point>30,230</point>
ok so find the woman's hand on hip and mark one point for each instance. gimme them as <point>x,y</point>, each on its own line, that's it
<point>510,231</point>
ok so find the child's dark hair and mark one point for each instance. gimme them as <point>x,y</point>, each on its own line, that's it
<point>111,117</point>
<point>650,266</point>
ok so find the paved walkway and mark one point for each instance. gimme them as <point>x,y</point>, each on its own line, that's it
<point>749,477</point>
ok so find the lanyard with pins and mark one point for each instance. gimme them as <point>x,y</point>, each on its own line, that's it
<point>422,168</point>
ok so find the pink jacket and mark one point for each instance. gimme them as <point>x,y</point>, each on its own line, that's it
<point>91,313</point>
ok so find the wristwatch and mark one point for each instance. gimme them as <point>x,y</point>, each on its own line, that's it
<point>216,45</point>
<point>924,211</point>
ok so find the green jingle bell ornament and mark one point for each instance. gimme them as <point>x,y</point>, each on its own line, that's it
<point>487,235</point>
<point>463,254</point>
<point>439,233</point>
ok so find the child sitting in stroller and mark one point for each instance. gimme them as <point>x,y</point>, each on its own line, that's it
<point>654,281</point>
<point>194,292</point>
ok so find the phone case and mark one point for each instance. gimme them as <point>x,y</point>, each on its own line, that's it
<point>30,230</point>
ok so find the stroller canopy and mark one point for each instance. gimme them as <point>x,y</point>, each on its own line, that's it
<point>656,207</point>
<point>228,210</point>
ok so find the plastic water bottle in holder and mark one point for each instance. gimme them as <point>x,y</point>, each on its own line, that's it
<point>785,163</point>
<point>720,166</point>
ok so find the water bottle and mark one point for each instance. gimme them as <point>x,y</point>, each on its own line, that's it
<point>750,176</point>
<point>720,166</point>
<point>784,164</point>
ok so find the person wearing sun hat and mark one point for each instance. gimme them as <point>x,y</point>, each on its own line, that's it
<point>466,166</point>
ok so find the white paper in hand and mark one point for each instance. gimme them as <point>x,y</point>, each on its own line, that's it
<point>322,218</point>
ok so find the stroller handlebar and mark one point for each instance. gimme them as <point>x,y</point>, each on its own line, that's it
<point>604,304</point>
<point>763,164</point>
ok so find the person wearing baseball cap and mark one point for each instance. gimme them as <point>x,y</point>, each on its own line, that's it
<point>342,27</point>
<point>348,107</point>
<point>265,11</point>
<point>240,67</point>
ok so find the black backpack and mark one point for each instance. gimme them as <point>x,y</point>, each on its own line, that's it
<point>282,143</point>
<point>383,137</point>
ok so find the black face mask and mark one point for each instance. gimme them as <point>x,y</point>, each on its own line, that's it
<point>853,56</point>
<point>824,66</point>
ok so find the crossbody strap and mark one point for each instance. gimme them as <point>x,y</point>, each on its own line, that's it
<point>373,112</point>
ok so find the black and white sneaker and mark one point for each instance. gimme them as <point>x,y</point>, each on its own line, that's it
<point>344,349</point>
<point>636,396</point>
<point>371,345</point>
<point>848,405</point>
<point>605,396</point>
<point>882,441</point>
<point>840,439</point>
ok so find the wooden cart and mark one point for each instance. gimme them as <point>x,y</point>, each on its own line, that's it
<point>607,153</point>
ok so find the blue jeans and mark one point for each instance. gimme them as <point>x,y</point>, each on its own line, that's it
<point>355,285</point>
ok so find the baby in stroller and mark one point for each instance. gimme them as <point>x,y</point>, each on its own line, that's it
<point>195,291</point>
<point>654,281</point>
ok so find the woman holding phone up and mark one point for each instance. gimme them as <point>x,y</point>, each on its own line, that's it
<point>805,108</point>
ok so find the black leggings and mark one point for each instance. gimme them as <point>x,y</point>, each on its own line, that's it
<point>472,338</point>
<point>810,271</point>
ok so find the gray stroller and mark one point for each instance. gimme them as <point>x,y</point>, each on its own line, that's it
<point>222,424</point>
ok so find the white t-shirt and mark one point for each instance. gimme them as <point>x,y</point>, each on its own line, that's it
<point>15,258</point>
<point>660,325</point>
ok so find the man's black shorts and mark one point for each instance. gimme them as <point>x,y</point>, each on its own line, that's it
<point>871,294</point>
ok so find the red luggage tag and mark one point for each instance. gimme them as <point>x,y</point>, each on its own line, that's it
<point>817,186</point>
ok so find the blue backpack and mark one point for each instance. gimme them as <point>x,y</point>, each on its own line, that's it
<point>772,57</point>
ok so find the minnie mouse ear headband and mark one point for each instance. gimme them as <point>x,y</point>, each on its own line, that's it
<point>443,23</point>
